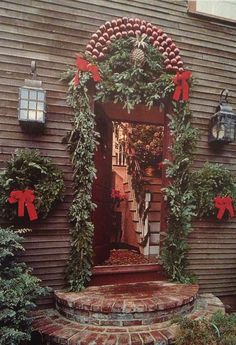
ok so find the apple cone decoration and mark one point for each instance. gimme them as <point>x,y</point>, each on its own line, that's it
<point>98,45</point>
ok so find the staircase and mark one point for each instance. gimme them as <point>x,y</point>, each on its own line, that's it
<point>148,233</point>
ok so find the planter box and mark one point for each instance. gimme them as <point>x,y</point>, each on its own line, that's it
<point>119,274</point>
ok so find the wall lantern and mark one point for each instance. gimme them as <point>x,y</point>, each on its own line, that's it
<point>222,123</point>
<point>32,103</point>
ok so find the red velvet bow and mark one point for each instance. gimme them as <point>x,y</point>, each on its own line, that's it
<point>223,204</point>
<point>24,198</point>
<point>182,86</point>
<point>84,66</point>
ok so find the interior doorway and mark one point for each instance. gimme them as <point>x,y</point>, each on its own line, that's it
<point>127,190</point>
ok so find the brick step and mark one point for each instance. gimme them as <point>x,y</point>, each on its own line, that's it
<point>127,304</point>
<point>54,329</point>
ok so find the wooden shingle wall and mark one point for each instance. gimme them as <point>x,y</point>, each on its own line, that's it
<point>52,32</point>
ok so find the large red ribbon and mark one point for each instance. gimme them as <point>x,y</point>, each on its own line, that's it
<point>24,198</point>
<point>223,204</point>
<point>182,86</point>
<point>84,66</point>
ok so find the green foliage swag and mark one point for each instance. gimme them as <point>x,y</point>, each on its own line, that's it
<point>131,84</point>
<point>27,169</point>
<point>220,329</point>
<point>18,290</point>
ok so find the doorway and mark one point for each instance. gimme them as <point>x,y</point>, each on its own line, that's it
<point>127,190</point>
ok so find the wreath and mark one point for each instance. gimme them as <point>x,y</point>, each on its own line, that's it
<point>28,170</point>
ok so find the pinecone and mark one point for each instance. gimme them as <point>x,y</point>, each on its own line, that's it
<point>138,53</point>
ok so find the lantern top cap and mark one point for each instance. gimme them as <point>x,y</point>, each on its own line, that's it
<point>32,83</point>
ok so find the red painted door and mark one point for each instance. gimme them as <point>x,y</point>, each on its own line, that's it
<point>102,189</point>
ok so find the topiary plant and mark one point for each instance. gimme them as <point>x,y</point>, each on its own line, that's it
<point>29,170</point>
<point>208,182</point>
<point>18,290</point>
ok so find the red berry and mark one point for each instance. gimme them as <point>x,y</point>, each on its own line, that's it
<point>122,27</point>
<point>172,46</point>
<point>172,55</point>
<point>176,50</point>
<point>178,57</point>
<point>160,32</point>
<point>164,36</point>
<point>137,20</point>
<point>114,23</point>
<point>167,61</point>
<point>159,39</point>
<point>131,20</point>
<point>136,26</point>
<point>168,40</point>
<point>168,50</point>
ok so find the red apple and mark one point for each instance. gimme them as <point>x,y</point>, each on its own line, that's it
<point>102,40</point>
<point>118,35</point>
<point>98,45</point>
<point>168,40</point>
<point>112,37</point>
<point>136,26</point>
<point>143,22</point>
<point>108,42</point>
<point>149,31</point>
<point>164,44</point>
<point>169,68</point>
<point>95,52</point>
<point>176,50</point>
<point>168,50</point>
<point>124,34</point>
<point>124,20</point>
<point>151,39</point>
<point>161,49</point>
<point>165,54</point>
<point>94,36</point>
<point>178,57</point>
<point>143,28</point>
<point>99,32</point>
<point>131,20</point>
<point>137,21</point>
<point>119,21</point>
<point>106,36</point>
<point>95,57</point>
<point>138,32</point>
<point>102,28</point>
<point>167,61</point>
<point>114,23</point>
<point>110,31</point>
<point>131,33</point>
<point>172,55</point>
<point>159,39</point>
<point>92,42</point>
<point>108,25</point>
<point>181,69</point>
<point>173,61</point>
<point>180,63</point>
<point>105,50</point>
<point>89,47</point>
<point>129,26</point>
<point>164,36</point>
<point>122,27</point>
<point>156,44</point>
<point>154,34</point>
<point>175,68</point>
<point>116,29</point>
<point>160,31</point>
<point>149,25</point>
<point>101,56</point>
<point>172,46</point>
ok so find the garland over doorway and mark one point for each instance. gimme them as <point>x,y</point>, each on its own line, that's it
<point>109,68</point>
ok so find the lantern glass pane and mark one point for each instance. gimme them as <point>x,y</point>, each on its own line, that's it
<point>24,93</point>
<point>32,115</point>
<point>41,96</point>
<point>40,106</point>
<point>23,104</point>
<point>33,95</point>
<point>32,105</point>
<point>23,114</point>
<point>40,116</point>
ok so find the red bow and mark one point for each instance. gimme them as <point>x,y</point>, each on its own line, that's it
<point>182,86</point>
<point>84,66</point>
<point>223,204</point>
<point>24,198</point>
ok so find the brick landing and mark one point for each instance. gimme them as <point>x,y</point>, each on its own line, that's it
<point>55,329</point>
<point>127,304</point>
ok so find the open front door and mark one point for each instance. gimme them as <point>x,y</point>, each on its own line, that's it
<point>102,189</point>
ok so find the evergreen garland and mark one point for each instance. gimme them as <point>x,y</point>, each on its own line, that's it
<point>124,82</point>
<point>82,142</point>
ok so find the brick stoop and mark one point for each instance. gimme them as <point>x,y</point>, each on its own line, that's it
<point>127,304</point>
<point>55,329</point>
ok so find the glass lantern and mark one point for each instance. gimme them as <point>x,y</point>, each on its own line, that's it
<point>32,105</point>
